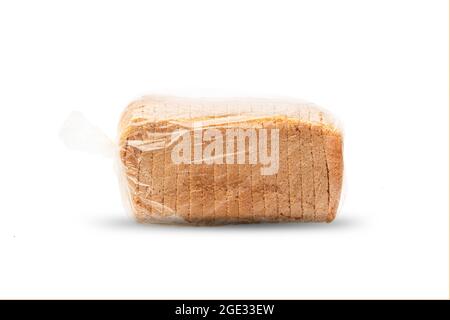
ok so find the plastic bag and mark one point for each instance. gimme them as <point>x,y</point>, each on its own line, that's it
<point>216,161</point>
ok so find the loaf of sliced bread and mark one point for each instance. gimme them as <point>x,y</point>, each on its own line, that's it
<point>211,161</point>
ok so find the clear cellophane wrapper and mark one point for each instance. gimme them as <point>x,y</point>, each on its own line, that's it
<point>217,161</point>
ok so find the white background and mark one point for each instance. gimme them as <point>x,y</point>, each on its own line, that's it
<point>380,66</point>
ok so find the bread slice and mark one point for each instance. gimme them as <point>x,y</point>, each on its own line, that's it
<point>197,171</point>
<point>258,202</point>
<point>333,151</point>
<point>320,170</point>
<point>183,198</point>
<point>283,177</point>
<point>207,176</point>
<point>295,165</point>
<point>218,186</point>
<point>230,158</point>
<point>270,181</point>
<point>307,166</point>
<point>245,178</point>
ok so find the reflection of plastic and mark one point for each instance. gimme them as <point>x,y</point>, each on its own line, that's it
<point>210,161</point>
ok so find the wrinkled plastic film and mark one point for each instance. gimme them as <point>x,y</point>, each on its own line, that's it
<point>215,161</point>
